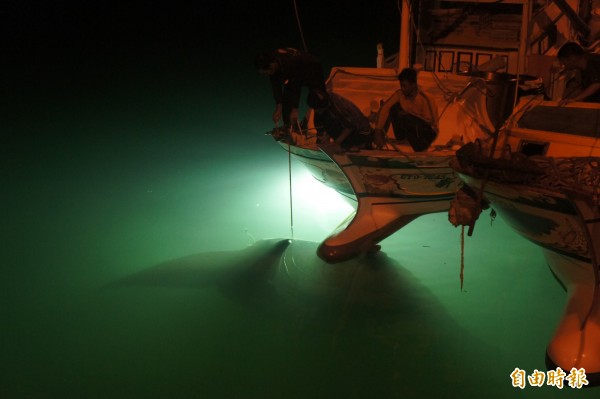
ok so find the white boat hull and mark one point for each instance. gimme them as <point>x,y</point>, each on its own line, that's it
<point>391,190</point>
<point>570,239</point>
<point>576,340</point>
<point>321,167</point>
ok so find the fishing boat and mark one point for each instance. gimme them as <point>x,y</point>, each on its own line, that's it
<point>476,59</point>
<point>393,185</point>
<point>541,173</point>
<point>544,181</point>
<point>534,162</point>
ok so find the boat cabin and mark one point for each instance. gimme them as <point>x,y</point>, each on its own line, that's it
<point>476,59</point>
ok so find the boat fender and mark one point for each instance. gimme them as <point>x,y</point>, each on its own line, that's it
<point>465,209</point>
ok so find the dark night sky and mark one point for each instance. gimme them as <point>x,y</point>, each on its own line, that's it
<point>76,36</point>
<point>67,51</point>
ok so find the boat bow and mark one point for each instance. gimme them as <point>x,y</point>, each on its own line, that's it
<point>392,190</point>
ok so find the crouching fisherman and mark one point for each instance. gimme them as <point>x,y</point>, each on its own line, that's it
<point>411,112</point>
<point>289,70</point>
<point>339,121</point>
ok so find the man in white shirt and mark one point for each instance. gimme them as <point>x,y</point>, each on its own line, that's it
<point>411,112</point>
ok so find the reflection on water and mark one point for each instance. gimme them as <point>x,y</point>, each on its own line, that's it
<point>139,262</point>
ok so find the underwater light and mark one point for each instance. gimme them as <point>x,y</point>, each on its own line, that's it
<point>314,210</point>
<point>309,191</point>
<point>321,204</point>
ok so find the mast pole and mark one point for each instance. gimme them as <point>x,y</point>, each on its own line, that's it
<point>523,51</point>
<point>404,51</point>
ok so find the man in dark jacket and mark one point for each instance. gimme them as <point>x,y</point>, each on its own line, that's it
<point>340,120</point>
<point>290,69</point>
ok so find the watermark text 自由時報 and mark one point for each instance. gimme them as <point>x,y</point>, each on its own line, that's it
<point>558,378</point>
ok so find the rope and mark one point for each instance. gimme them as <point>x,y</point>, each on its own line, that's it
<point>289,151</point>
<point>300,27</point>
<point>290,184</point>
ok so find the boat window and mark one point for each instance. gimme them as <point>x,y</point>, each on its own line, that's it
<point>530,148</point>
<point>568,120</point>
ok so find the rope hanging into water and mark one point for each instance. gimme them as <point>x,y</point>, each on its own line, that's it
<point>300,26</point>
<point>290,184</point>
<point>290,137</point>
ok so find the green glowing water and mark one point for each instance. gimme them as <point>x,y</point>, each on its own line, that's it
<point>101,188</point>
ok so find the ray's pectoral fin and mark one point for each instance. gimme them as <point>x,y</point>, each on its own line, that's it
<point>244,268</point>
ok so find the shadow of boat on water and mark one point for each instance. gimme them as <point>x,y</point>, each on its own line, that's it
<point>369,314</point>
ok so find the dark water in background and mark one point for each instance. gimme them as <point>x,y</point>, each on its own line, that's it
<point>124,151</point>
